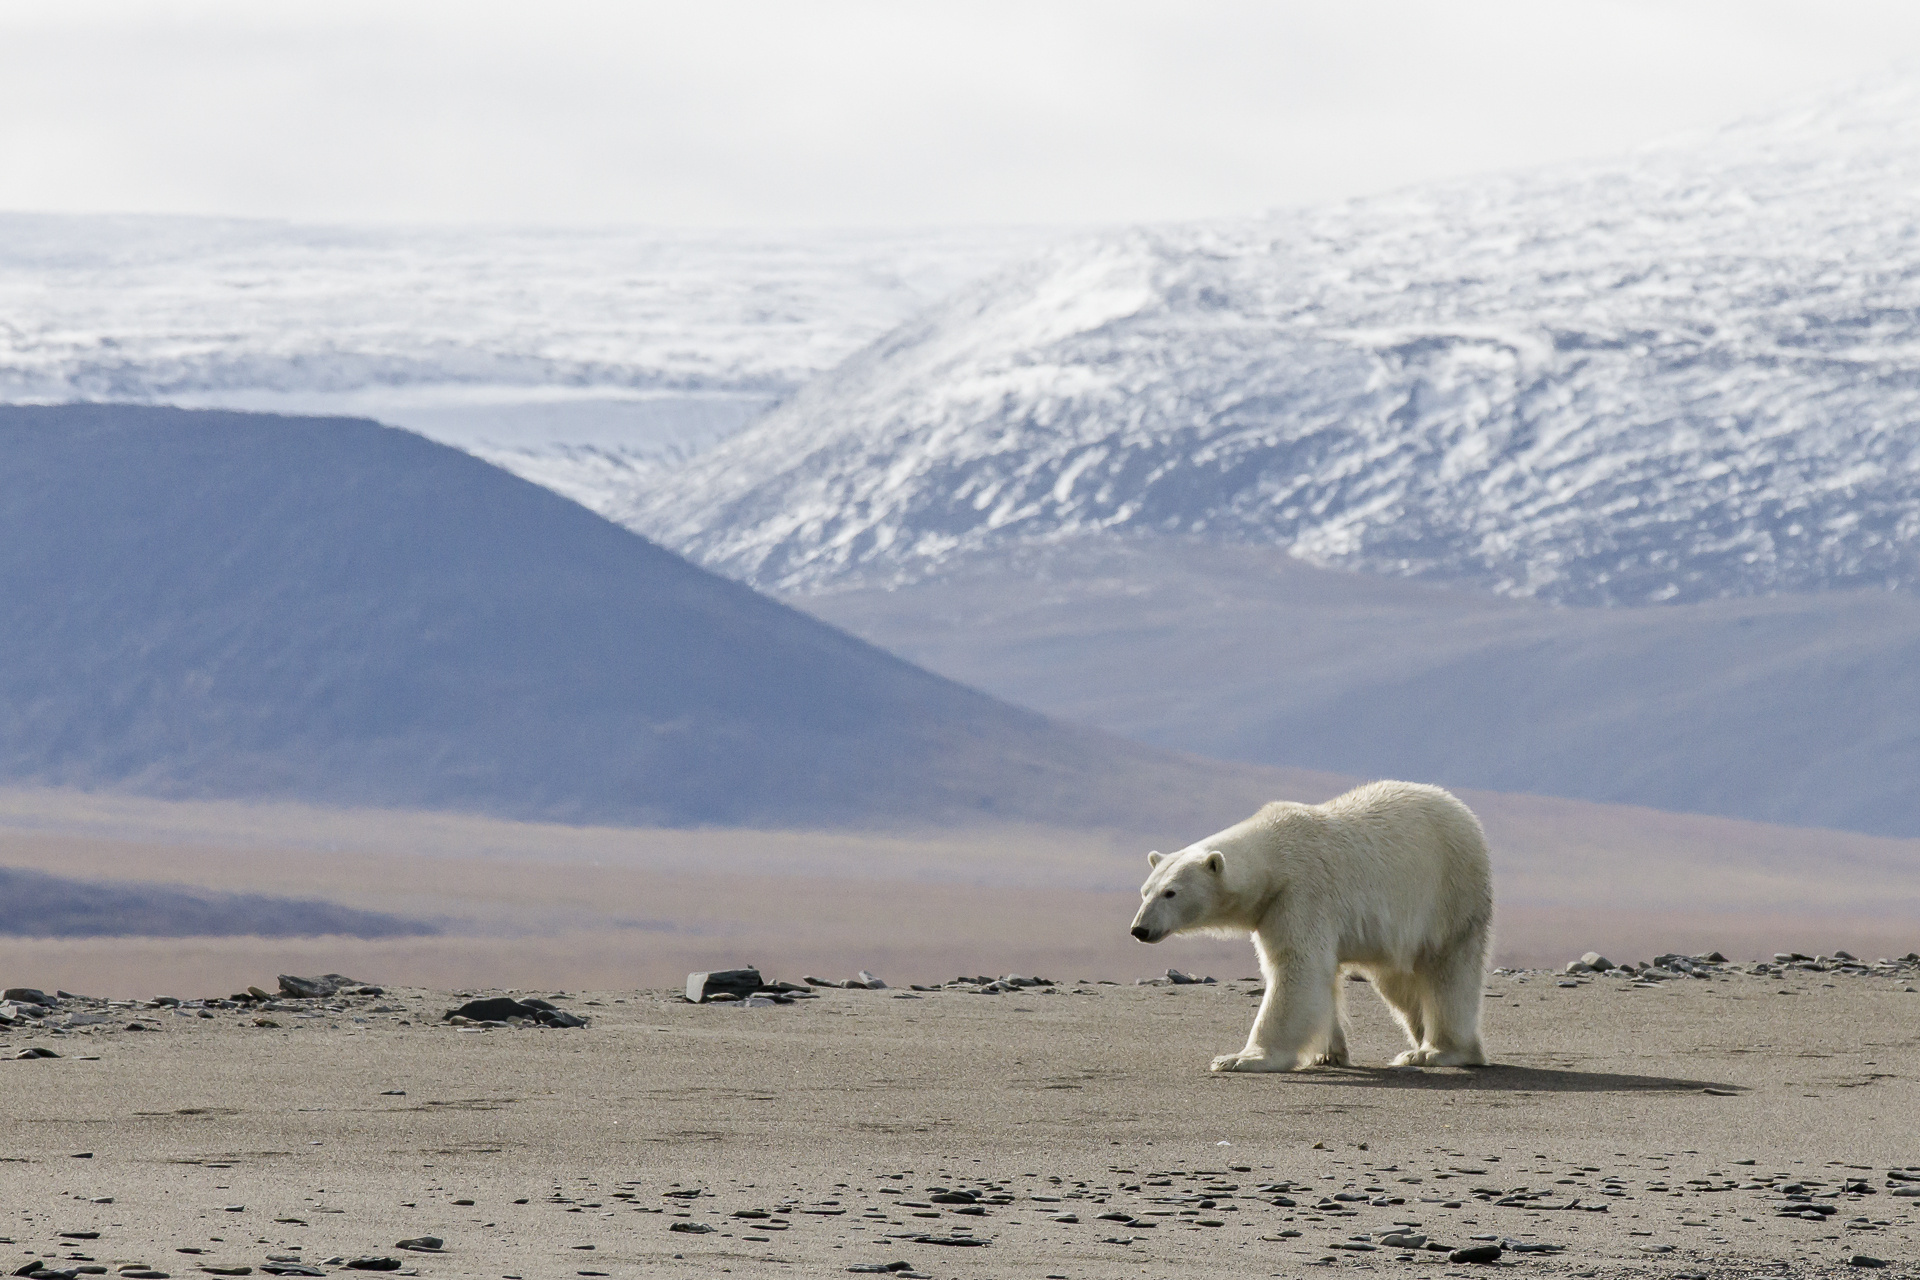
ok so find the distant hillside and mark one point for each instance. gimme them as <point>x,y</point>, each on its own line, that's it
<point>225,605</point>
<point>36,905</point>
<point>1795,709</point>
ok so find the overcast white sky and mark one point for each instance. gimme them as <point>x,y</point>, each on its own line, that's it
<point>878,114</point>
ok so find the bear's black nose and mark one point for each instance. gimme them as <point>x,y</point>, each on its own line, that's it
<point>1141,932</point>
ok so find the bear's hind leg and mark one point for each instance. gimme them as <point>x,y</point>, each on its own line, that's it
<point>1452,1009</point>
<point>1405,995</point>
<point>1336,1054</point>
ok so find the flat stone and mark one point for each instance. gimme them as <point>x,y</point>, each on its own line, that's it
<point>373,1264</point>
<point>424,1244</point>
<point>27,995</point>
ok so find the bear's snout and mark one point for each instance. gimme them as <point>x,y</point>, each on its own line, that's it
<point>1143,933</point>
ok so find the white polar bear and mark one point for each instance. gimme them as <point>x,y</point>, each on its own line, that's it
<point>1390,880</point>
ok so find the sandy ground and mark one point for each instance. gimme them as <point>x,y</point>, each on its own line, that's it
<point>1644,1131</point>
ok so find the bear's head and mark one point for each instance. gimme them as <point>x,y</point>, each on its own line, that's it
<point>1183,891</point>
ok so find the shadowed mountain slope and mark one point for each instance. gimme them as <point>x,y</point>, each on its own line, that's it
<point>1796,709</point>
<point>217,604</point>
<point>36,905</point>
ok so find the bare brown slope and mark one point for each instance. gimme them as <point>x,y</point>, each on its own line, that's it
<point>526,904</point>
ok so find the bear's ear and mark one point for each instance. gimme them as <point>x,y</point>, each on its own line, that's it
<point>1153,859</point>
<point>1216,861</point>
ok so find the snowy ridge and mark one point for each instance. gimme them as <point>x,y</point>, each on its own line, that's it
<point>1691,373</point>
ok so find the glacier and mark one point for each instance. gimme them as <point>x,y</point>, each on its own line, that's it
<point>591,351</point>
<point>1688,373</point>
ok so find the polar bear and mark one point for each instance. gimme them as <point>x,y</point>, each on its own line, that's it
<point>1390,880</point>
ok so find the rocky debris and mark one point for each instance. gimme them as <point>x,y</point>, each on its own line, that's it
<point>1175,978</point>
<point>746,988</point>
<point>423,1244</point>
<point>327,984</point>
<point>372,1264</point>
<point>864,981</point>
<point>34,1051</point>
<point>28,995</point>
<point>505,1011</point>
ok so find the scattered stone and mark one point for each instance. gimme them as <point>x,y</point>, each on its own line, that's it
<point>34,1051</point>
<point>291,1269</point>
<point>372,1264</point>
<point>1403,1240</point>
<point>868,981</point>
<point>1180,979</point>
<point>27,995</point>
<point>424,1244</point>
<point>879,1268</point>
<point>213,1269</point>
<point>1866,1260</point>
<point>691,1228</point>
<point>1476,1253</point>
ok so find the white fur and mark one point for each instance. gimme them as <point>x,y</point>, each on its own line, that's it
<point>1390,880</point>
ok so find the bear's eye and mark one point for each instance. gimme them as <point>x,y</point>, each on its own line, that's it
<point>1167,894</point>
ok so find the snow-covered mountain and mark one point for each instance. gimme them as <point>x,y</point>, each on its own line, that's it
<point>576,350</point>
<point>1690,373</point>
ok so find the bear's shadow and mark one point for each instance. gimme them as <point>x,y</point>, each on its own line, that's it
<point>1503,1078</point>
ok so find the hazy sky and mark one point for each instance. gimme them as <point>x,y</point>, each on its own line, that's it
<point>905,112</point>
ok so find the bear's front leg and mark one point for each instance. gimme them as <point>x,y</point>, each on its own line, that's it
<point>1294,1021</point>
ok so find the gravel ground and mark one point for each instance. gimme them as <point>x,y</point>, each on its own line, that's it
<point>1731,1124</point>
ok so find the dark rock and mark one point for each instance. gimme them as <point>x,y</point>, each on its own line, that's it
<point>868,981</point>
<point>953,1197</point>
<point>497,1009</point>
<point>964,1242</point>
<point>27,995</point>
<point>1476,1253</point>
<point>373,1264</point>
<point>879,1268</point>
<point>691,1228</point>
<point>215,1270</point>
<point>30,1267</point>
<point>327,984</point>
<point>1866,1260</point>
<point>291,1269</point>
<point>34,1051</point>
<point>736,982</point>
<point>78,1235</point>
<point>423,1244</point>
